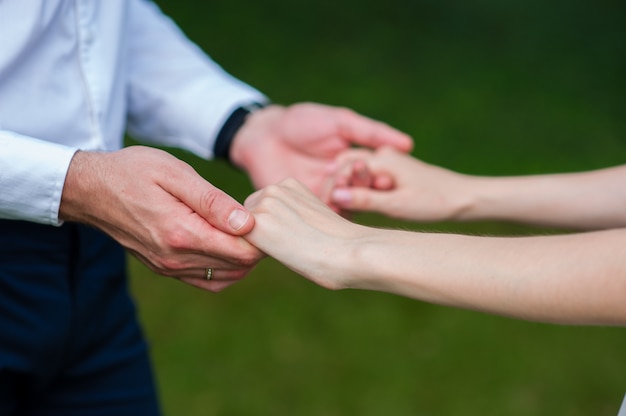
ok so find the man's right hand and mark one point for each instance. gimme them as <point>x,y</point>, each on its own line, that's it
<point>163,212</point>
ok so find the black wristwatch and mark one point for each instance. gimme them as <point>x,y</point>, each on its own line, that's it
<point>233,123</point>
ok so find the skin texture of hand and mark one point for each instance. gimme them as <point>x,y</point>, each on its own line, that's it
<point>567,279</point>
<point>297,228</point>
<point>400,186</point>
<point>421,192</point>
<point>163,212</point>
<point>303,141</point>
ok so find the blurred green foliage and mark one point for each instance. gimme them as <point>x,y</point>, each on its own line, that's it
<point>484,87</point>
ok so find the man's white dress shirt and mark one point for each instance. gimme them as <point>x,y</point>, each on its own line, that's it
<point>77,74</point>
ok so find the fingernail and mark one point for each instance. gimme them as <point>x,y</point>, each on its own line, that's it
<point>238,219</point>
<point>342,196</point>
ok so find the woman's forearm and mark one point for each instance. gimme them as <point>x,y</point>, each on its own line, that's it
<point>570,279</point>
<point>423,192</point>
<point>585,200</point>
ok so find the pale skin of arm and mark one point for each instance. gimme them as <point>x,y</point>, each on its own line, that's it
<point>567,279</point>
<point>422,192</point>
<point>177,223</point>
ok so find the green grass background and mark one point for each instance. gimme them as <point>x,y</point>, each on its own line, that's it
<point>484,86</point>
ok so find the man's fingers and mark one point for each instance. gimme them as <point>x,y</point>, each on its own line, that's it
<point>215,206</point>
<point>383,182</point>
<point>223,212</point>
<point>370,133</point>
<point>360,175</point>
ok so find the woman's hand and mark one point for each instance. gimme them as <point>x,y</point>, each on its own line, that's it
<point>303,140</point>
<point>299,230</point>
<point>398,185</point>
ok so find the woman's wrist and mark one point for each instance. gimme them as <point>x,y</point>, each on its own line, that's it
<point>361,261</point>
<point>338,262</point>
<point>476,198</point>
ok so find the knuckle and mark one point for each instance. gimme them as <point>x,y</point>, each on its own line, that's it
<point>348,115</point>
<point>208,200</point>
<point>240,274</point>
<point>177,237</point>
<point>269,197</point>
<point>291,182</point>
<point>345,112</point>
<point>176,240</point>
<point>274,189</point>
<point>249,259</point>
<point>169,266</point>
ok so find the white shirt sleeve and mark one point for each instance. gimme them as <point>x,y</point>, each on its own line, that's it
<point>32,185</point>
<point>177,96</point>
<point>116,65</point>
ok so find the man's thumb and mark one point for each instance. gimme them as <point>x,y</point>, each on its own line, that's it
<point>224,213</point>
<point>219,209</point>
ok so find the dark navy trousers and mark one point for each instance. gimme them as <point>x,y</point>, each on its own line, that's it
<point>70,342</point>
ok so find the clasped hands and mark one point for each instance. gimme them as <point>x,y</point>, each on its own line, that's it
<point>178,224</point>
